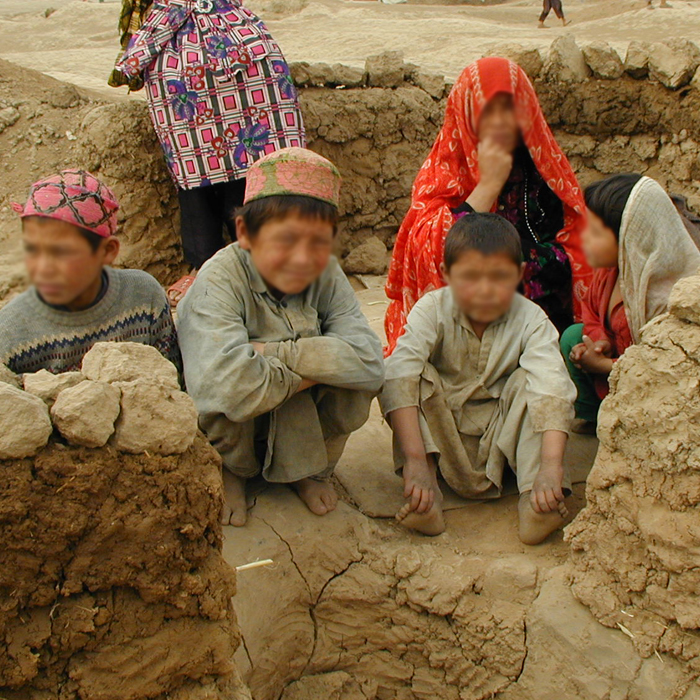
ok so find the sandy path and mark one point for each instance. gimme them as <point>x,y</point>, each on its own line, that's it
<point>78,41</point>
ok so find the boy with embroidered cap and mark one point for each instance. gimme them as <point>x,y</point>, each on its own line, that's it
<point>279,359</point>
<point>76,299</point>
<point>476,382</point>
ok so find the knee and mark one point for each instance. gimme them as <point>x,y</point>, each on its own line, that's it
<point>351,412</point>
<point>572,336</point>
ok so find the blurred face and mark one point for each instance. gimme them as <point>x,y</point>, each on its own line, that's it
<point>599,243</point>
<point>483,285</point>
<point>291,253</point>
<point>498,122</point>
<point>61,263</point>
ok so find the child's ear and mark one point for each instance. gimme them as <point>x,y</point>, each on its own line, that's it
<point>445,273</point>
<point>523,267</point>
<point>110,250</point>
<point>242,233</point>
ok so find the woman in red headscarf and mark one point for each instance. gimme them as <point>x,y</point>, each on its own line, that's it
<point>495,152</point>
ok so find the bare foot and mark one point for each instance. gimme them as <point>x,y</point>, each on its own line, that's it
<point>423,511</point>
<point>320,496</point>
<point>536,527</point>
<point>542,25</point>
<point>235,510</point>
<point>430,523</point>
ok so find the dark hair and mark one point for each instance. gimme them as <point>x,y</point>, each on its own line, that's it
<point>93,239</point>
<point>489,234</point>
<point>607,198</point>
<point>258,212</point>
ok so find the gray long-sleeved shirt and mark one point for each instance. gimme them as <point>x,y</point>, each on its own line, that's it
<point>319,334</point>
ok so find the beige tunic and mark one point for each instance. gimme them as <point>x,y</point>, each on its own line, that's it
<point>483,402</point>
<point>319,334</point>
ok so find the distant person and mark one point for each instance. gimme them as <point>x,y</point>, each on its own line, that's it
<point>496,153</point>
<point>220,96</point>
<point>548,6</point>
<point>662,3</point>
<point>279,359</point>
<point>76,299</point>
<point>477,382</point>
<point>639,246</point>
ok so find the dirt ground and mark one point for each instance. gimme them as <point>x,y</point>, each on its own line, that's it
<point>77,42</point>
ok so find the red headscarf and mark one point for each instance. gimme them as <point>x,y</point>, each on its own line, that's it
<point>450,174</point>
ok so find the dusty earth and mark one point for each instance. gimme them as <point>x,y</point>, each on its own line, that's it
<point>354,607</point>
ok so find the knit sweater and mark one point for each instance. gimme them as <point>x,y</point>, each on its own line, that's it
<point>35,335</point>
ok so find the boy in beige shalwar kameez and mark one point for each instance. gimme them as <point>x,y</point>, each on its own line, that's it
<point>480,366</point>
<point>279,359</point>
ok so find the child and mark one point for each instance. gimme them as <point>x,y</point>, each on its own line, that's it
<point>477,380</point>
<point>220,96</point>
<point>641,247</point>
<point>547,7</point>
<point>69,224</point>
<point>278,357</point>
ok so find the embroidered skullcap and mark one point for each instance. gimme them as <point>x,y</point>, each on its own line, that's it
<point>293,171</point>
<point>76,197</point>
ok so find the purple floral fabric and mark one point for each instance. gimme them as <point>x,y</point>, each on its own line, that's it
<point>219,90</point>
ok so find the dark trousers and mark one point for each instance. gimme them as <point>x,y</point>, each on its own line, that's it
<point>550,5</point>
<point>204,211</point>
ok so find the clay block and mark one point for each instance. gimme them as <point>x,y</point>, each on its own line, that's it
<point>528,58</point>
<point>565,61</point>
<point>603,60</point>
<point>368,258</point>
<point>637,59</point>
<point>9,377</point>
<point>25,426</point>
<point>127,362</point>
<point>673,63</point>
<point>154,418</point>
<point>85,414</point>
<point>385,70</point>
<point>48,386</point>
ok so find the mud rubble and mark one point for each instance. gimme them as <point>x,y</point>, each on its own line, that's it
<point>636,545</point>
<point>112,583</point>
<point>377,124</point>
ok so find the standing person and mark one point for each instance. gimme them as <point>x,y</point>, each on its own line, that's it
<point>639,246</point>
<point>496,153</point>
<point>220,97</point>
<point>555,5</point>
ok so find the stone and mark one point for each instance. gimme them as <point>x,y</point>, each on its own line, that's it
<point>434,85</point>
<point>637,59</point>
<point>9,116</point>
<point>603,60</point>
<point>528,58</point>
<point>154,418</point>
<point>48,386</point>
<point>127,362</point>
<point>85,413</point>
<point>25,426</point>
<point>674,63</point>
<point>684,301</point>
<point>385,70</point>
<point>347,76</point>
<point>368,258</point>
<point>565,61</point>
<point>695,82</point>
<point>9,377</point>
<point>311,74</point>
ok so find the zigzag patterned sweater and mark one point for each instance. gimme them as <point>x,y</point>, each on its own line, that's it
<point>34,335</point>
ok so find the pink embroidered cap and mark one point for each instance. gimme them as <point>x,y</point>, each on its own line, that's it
<point>293,171</point>
<point>76,197</point>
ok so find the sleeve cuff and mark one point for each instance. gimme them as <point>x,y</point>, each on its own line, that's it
<point>551,413</point>
<point>400,393</point>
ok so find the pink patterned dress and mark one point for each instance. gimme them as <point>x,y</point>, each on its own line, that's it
<point>218,87</point>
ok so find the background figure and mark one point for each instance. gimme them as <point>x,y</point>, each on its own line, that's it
<point>220,97</point>
<point>496,153</point>
<point>555,5</point>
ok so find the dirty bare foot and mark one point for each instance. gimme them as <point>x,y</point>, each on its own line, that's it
<point>319,496</point>
<point>536,527</point>
<point>542,25</point>
<point>235,511</point>
<point>423,512</point>
<point>430,523</point>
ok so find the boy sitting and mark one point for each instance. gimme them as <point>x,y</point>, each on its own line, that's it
<point>76,300</point>
<point>477,381</point>
<point>278,357</point>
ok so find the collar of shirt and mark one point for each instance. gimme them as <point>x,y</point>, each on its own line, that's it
<point>463,320</point>
<point>257,283</point>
